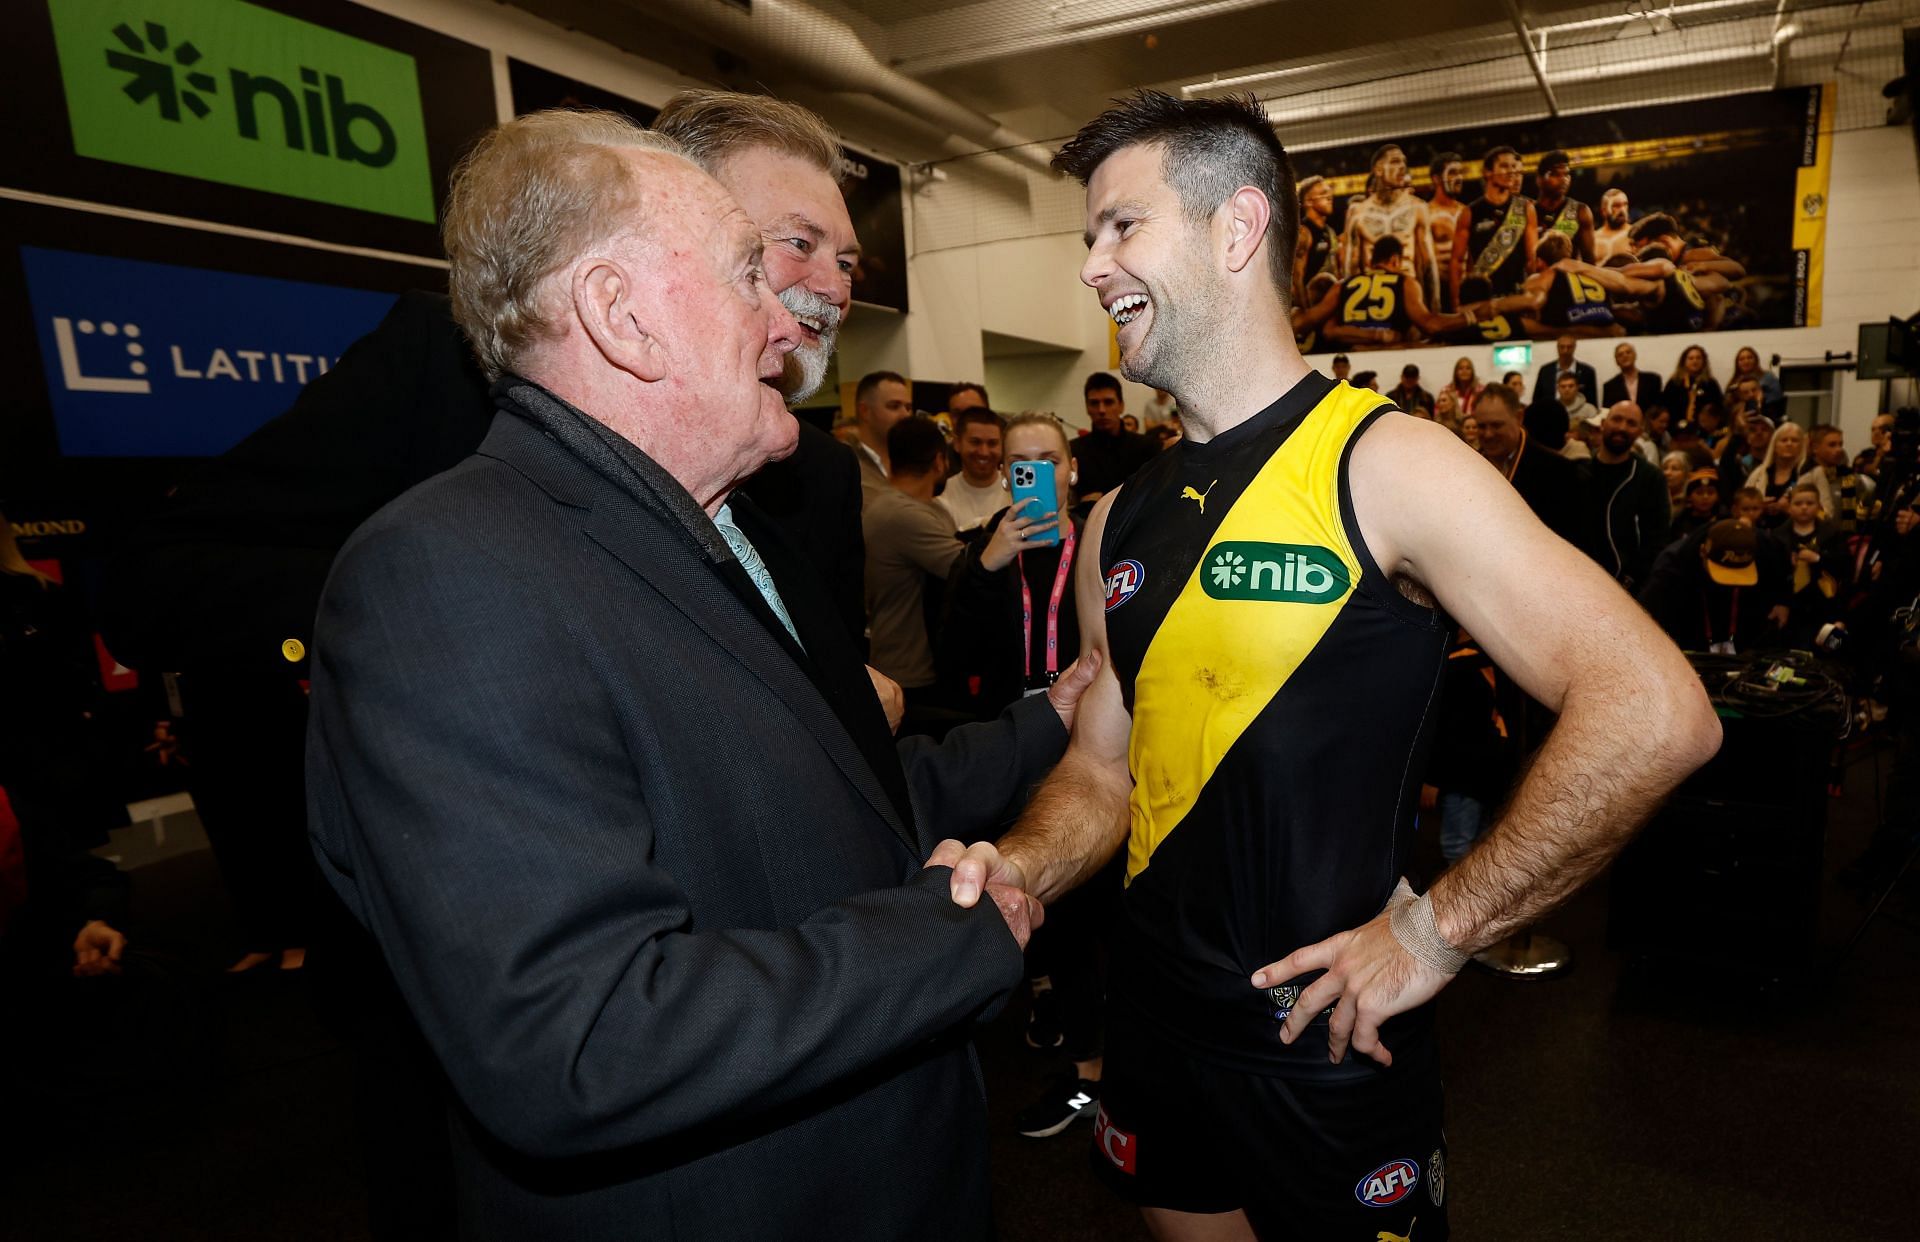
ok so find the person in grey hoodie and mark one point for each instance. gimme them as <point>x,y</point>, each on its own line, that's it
<point>1624,508</point>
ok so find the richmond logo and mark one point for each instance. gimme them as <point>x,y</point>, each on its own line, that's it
<point>1277,572</point>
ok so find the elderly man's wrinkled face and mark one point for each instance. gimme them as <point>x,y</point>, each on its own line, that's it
<point>723,335</point>
<point>809,250</point>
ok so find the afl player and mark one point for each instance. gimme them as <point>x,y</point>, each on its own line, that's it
<point>1501,228</point>
<point>1317,249</point>
<point>1270,605</point>
<point>1611,237</point>
<point>1390,208</point>
<point>1553,177</point>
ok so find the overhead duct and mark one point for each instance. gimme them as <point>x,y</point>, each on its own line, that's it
<point>826,50</point>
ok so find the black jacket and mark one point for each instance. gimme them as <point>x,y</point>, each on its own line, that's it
<point>647,871</point>
<point>1625,516</point>
<point>1645,394</point>
<point>1546,481</point>
<point>977,643</point>
<point>1543,383</point>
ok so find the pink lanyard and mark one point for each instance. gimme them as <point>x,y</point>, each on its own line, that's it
<point>1060,577</point>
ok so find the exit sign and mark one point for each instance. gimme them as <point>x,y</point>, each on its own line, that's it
<point>1512,357</point>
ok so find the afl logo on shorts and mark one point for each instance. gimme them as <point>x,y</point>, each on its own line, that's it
<point>1122,581</point>
<point>1388,1184</point>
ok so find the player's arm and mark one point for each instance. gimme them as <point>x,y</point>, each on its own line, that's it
<point>1424,317</point>
<point>1583,240</point>
<point>1707,259</point>
<point>1311,317</point>
<point>1631,727</point>
<point>1532,237</point>
<point>1710,283</point>
<point>1457,257</point>
<point>1077,818</point>
<point>1365,338</point>
<point>1613,280</point>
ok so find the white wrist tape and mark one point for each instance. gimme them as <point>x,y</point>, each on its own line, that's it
<point>1411,920</point>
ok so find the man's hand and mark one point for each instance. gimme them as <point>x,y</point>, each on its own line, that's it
<point>1369,973</point>
<point>1017,533</point>
<point>893,700</point>
<point>1779,615</point>
<point>979,868</point>
<point>97,950</point>
<point>1066,690</point>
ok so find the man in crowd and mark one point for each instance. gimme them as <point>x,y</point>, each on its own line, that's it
<point>1261,936</point>
<point>1625,514</point>
<point>550,896</point>
<point>1572,400</point>
<point>1408,394</point>
<point>1880,443</point>
<point>1500,228</point>
<point>1108,453</point>
<point>1540,474</point>
<point>1342,368</point>
<point>1630,383</point>
<point>1558,213</point>
<point>965,395</point>
<point>909,538</point>
<point>978,491</point>
<point>880,400</point>
<point>1546,381</point>
<point>1846,495</point>
<point>1611,237</point>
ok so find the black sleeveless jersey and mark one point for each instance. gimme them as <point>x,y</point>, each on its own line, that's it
<point>1374,300</point>
<point>1576,300</point>
<point>1487,226</point>
<point>1320,241</point>
<point>1681,309</point>
<point>1282,692</point>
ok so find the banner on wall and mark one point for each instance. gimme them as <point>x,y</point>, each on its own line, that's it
<point>870,185</point>
<point>156,360</point>
<point>1682,218</point>
<point>316,119</point>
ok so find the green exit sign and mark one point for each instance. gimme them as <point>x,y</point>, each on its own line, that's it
<point>1512,357</point>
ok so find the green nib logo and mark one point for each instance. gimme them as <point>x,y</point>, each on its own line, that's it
<point>155,78</point>
<point>1282,573</point>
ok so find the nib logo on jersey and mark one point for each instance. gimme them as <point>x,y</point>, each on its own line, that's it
<point>154,360</point>
<point>1290,573</point>
<point>234,93</point>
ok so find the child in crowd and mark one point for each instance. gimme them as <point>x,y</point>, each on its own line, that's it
<point>1702,506</point>
<point>1817,554</point>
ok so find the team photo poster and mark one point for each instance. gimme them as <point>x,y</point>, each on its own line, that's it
<point>1683,218</point>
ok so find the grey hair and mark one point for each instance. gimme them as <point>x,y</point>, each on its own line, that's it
<point>527,200</point>
<point>710,126</point>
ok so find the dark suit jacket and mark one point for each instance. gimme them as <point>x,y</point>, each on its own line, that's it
<point>239,551</point>
<point>1543,383</point>
<point>1645,394</point>
<point>1546,481</point>
<point>626,848</point>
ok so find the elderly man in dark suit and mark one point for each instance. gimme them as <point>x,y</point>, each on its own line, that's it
<point>608,783</point>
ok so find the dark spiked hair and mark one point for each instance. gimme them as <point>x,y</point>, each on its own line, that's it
<point>1210,148</point>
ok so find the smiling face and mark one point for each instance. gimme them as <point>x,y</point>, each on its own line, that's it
<point>980,452</point>
<point>810,249</point>
<point>1624,357</point>
<point>1149,264</point>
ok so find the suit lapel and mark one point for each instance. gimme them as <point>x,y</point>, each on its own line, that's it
<point>636,540</point>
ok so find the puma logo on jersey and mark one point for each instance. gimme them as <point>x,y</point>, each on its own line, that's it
<point>1388,1236</point>
<point>1199,498</point>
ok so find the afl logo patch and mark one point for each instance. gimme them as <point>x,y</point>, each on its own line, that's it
<point>1388,1184</point>
<point>1122,581</point>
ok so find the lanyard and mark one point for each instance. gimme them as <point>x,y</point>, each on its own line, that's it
<point>1060,576</point>
<point>1733,618</point>
<point>1515,463</point>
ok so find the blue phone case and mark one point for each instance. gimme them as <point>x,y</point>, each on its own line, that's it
<point>1035,479</point>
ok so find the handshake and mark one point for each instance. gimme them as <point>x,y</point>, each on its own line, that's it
<point>982,868</point>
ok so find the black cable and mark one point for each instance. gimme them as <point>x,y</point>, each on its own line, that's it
<point>1743,684</point>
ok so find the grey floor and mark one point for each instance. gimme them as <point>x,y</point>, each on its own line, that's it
<point>1618,1101</point>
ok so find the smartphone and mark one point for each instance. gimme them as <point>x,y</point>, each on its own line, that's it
<point>1035,479</point>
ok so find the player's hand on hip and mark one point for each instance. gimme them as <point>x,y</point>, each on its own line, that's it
<point>1371,977</point>
<point>1064,694</point>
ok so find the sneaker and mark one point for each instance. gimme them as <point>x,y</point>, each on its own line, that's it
<point>1066,1099</point>
<point>1043,1019</point>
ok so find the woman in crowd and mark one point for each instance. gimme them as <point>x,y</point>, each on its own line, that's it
<point>1692,385</point>
<point>1470,432</point>
<point>1465,385</point>
<point>1775,475</point>
<point>1446,409</point>
<point>1746,366</point>
<point>1676,466</point>
<point>1518,383</point>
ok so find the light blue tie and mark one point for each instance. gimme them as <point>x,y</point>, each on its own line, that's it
<point>749,558</point>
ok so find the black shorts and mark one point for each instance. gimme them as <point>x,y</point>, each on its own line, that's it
<point>1363,1159</point>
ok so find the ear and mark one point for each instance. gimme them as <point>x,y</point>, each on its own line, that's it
<point>607,302</point>
<point>1245,215</point>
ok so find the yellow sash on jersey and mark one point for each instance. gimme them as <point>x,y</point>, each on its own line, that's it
<point>1215,663</point>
